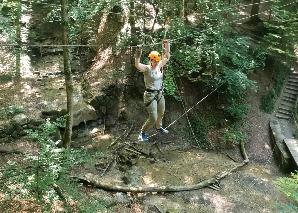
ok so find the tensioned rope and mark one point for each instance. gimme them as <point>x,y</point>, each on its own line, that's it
<point>131,46</point>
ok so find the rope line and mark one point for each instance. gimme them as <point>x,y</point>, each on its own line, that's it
<point>201,100</point>
<point>191,108</point>
<point>132,46</point>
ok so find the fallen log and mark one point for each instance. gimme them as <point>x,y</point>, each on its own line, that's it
<point>95,181</point>
<point>243,152</point>
<point>10,151</point>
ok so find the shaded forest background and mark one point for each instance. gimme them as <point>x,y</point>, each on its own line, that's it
<point>214,45</point>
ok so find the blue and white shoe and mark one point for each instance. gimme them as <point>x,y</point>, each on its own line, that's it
<point>162,130</point>
<point>143,137</point>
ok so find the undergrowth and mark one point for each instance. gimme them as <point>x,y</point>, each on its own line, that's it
<point>289,186</point>
<point>280,74</point>
<point>44,177</point>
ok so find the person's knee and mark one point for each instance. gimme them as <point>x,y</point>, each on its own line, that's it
<point>153,118</point>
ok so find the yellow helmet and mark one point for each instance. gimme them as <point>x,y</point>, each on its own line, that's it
<point>154,55</point>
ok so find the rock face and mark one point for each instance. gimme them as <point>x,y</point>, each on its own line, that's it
<point>87,113</point>
<point>277,140</point>
<point>20,119</point>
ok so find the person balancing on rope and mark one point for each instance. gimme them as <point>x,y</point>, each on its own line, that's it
<point>153,96</point>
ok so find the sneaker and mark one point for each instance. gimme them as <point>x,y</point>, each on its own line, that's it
<point>143,137</point>
<point>163,131</point>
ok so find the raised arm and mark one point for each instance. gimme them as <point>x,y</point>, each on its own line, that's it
<point>166,52</point>
<point>141,67</point>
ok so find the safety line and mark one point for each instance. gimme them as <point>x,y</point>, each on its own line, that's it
<point>191,108</point>
<point>194,106</point>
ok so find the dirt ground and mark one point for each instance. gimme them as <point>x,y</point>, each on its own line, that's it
<point>249,189</point>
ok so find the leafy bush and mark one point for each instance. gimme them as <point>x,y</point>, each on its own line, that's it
<point>5,78</point>
<point>233,136</point>
<point>236,111</point>
<point>11,111</point>
<point>39,175</point>
<point>280,74</point>
<point>267,101</point>
<point>201,130</point>
<point>289,186</point>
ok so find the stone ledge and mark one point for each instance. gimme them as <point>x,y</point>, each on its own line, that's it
<point>279,149</point>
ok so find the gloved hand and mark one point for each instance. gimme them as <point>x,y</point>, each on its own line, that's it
<point>138,52</point>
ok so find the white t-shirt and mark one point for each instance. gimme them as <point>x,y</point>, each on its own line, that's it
<point>153,77</point>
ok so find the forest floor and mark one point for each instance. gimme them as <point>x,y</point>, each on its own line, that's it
<point>177,163</point>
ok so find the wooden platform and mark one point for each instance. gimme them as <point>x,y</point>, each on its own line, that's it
<point>292,145</point>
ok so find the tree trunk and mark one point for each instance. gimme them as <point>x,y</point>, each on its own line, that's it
<point>96,181</point>
<point>68,76</point>
<point>182,12</point>
<point>254,18</point>
<point>18,50</point>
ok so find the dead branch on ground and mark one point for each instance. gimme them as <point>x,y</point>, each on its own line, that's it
<point>95,181</point>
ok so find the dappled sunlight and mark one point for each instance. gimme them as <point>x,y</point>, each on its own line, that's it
<point>27,90</point>
<point>104,59</point>
<point>188,180</point>
<point>267,147</point>
<point>48,65</point>
<point>26,69</point>
<point>7,60</point>
<point>7,85</point>
<point>220,203</point>
<point>103,21</point>
<point>148,180</point>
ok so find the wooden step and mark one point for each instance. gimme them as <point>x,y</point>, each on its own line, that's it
<point>289,95</point>
<point>288,100</point>
<point>291,80</point>
<point>292,84</point>
<point>287,104</point>
<point>291,92</point>
<point>284,112</point>
<point>282,116</point>
<point>293,88</point>
<point>285,108</point>
<point>293,76</point>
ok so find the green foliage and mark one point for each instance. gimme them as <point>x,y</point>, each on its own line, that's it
<point>282,33</point>
<point>201,129</point>
<point>37,176</point>
<point>233,135</point>
<point>289,186</point>
<point>10,111</point>
<point>236,111</point>
<point>267,101</point>
<point>236,84</point>
<point>170,86</point>
<point>280,73</point>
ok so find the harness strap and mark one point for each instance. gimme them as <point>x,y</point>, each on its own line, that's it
<point>155,97</point>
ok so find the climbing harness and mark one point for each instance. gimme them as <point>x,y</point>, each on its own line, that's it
<point>155,97</point>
